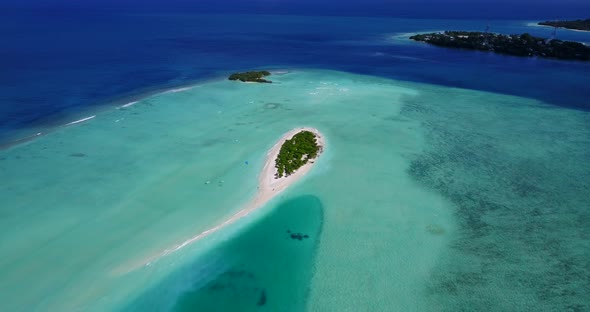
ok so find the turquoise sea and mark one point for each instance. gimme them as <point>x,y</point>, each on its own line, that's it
<point>451,180</point>
<point>427,199</point>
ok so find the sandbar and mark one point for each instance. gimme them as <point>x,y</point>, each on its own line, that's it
<point>268,187</point>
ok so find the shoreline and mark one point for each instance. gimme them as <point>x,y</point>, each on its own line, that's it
<point>268,188</point>
<point>268,185</point>
<point>536,24</point>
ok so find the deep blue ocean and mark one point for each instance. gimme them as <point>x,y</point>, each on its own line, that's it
<point>57,64</point>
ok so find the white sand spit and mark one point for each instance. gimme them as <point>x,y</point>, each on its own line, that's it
<point>268,187</point>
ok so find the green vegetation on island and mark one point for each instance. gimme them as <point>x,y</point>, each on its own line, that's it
<point>251,76</point>
<point>518,45</point>
<point>296,152</point>
<point>576,24</point>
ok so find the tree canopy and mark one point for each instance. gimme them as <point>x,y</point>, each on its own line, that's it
<point>251,76</point>
<point>518,45</point>
<point>296,152</point>
<point>576,24</point>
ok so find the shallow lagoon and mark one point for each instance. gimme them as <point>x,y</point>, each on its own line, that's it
<point>425,195</point>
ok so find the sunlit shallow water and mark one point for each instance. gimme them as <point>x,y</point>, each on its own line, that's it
<point>424,196</point>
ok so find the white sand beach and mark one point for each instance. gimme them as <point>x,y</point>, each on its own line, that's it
<point>268,185</point>
<point>268,188</point>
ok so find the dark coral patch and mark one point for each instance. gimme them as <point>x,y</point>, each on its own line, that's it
<point>262,299</point>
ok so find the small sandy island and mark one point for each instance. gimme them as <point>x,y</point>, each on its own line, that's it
<point>269,186</point>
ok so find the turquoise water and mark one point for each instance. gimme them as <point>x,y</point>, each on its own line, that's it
<point>426,199</point>
<point>262,267</point>
<point>515,171</point>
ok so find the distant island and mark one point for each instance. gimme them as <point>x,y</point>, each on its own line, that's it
<point>518,45</point>
<point>575,24</point>
<point>296,152</point>
<point>251,76</point>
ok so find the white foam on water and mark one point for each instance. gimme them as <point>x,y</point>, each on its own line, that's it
<point>81,120</point>
<point>129,104</point>
<point>177,90</point>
